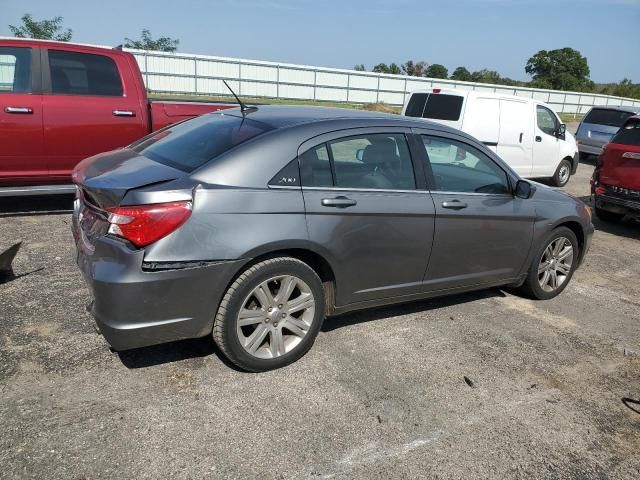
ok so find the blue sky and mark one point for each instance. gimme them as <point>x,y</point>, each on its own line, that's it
<point>495,34</point>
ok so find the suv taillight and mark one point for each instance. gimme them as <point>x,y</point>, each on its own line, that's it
<point>144,224</point>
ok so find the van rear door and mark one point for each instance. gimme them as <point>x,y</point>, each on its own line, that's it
<point>515,142</point>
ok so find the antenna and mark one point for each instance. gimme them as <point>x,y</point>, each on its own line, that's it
<point>243,108</point>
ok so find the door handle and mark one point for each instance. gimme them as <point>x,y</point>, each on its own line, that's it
<point>124,113</point>
<point>23,110</point>
<point>538,138</point>
<point>338,202</point>
<point>521,137</point>
<point>454,205</point>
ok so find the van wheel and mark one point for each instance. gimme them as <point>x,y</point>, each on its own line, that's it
<point>553,265</point>
<point>270,316</point>
<point>563,173</point>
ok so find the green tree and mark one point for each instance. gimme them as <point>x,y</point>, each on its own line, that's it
<point>384,68</point>
<point>436,71</point>
<point>161,44</point>
<point>414,69</point>
<point>461,74</point>
<point>43,29</point>
<point>486,76</point>
<point>561,69</point>
<point>360,68</point>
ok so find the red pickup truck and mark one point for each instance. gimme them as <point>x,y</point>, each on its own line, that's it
<point>62,102</point>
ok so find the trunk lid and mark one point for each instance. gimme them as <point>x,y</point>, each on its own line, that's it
<point>595,134</point>
<point>106,178</point>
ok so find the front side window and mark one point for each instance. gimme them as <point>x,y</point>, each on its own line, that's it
<point>459,167</point>
<point>547,121</point>
<point>74,73</point>
<point>15,69</point>
<point>378,161</point>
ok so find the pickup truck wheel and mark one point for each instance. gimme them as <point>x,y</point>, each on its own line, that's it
<point>553,265</point>
<point>563,173</point>
<point>270,315</point>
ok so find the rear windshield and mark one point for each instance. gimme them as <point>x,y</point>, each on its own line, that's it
<point>189,145</point>
<point>629,134</point>
<point>436,106</point>
<point>605,116</point>
<point>443,107</point>
<point>416,105</point>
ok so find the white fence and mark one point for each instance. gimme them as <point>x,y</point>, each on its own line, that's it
<point>171,73</point>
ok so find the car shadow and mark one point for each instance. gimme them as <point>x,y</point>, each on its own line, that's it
<point>172,352</point>
<point>36,205</point>
<point>381,313</point>
<point>626,228</point>
<point>203,347</point>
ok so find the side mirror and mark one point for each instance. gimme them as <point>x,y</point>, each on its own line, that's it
<point>524,189</point>
<point>562,130</point>
<point>360,154</point>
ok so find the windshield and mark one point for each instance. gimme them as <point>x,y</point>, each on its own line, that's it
<point>189,145</point>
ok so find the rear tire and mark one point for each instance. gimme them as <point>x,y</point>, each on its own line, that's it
<point>270,315</point>
<point>607,216</point>
<point>563,173</point>
<point>552,259</point>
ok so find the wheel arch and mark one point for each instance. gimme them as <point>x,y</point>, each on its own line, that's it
<point>305,253</point>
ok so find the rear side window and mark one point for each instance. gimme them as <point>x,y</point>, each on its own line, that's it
<point>15,69</point>
<point>74,73</point>
<point>629,134</point>
<point>191,144</point>
<point>372,162</point>
<point>606,116</point>
<point>443,107</point>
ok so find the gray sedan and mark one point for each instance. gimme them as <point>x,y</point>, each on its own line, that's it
<point>253,226</point>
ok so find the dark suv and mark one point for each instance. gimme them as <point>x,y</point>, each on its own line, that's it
<point>253,226</point>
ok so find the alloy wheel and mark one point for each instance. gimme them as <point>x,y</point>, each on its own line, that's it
<point>275,316</point>
<point>555,264</point>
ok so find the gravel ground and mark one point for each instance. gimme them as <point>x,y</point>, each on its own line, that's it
<point>382,393</point>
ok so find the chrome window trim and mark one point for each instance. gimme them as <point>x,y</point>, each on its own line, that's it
<point>386,190</point>
<point>366,190</point>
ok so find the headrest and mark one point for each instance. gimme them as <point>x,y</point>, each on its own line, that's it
<point>380,153</point>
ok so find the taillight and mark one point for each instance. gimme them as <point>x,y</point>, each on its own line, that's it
<point>145,224</point>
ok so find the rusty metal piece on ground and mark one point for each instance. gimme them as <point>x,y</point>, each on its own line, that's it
<point>6,259</point>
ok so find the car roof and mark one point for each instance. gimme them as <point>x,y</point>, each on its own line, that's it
<point>620,108</point>
<point>283,116</point>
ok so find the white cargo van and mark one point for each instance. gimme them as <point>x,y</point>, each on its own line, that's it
<point>524,132</point>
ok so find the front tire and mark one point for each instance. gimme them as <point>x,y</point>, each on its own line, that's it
<point>563,174</point>
<point>553,265</point>
<point>270,315</point>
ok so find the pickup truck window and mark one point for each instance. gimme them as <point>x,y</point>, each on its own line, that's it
<point>15,69</point>
<point>74,73</point>
<point>189,145</point>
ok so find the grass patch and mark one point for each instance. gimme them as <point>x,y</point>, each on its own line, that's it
<point>372,107</point>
